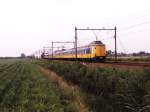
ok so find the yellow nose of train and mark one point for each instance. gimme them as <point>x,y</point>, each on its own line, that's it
<point>98,50</point>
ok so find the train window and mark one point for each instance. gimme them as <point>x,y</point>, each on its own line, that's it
<point>88,50</point>
<point>79,52</point>
<point>82,51</point>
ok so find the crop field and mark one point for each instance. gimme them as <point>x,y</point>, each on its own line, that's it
<point>24,89</point>
<point>57,86</point>
<point>107,89</point>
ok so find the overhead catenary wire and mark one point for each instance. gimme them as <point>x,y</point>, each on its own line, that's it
<point>133,32</point>
<point>96,35</point>
<point>135,25</point>
<point>122,45</point>
<point>108,36</point>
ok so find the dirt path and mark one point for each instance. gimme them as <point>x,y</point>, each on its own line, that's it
<point>68,88</point>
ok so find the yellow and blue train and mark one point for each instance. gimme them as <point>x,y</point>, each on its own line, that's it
<point>94,51</point>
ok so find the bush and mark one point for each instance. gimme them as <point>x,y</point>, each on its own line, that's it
<point>109,89</point>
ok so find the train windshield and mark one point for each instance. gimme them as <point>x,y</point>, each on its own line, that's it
<point>96,42</point>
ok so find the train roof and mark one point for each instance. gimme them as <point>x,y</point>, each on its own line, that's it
<point>81,47</point>
<point>96,42</point>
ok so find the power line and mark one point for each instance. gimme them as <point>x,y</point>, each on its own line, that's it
<point>121,44</point>
<point>135,25</point>
<point>138,31</point>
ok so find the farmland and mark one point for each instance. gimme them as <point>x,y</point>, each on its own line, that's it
<point>24,89</point>
<point>107,89</point>
<point>57,86</point>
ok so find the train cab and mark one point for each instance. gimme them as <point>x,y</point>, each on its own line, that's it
<point>98,50</point>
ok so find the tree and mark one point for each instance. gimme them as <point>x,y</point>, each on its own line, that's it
<point>23,55</point>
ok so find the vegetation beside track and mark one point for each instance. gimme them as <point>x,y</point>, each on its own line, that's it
<point>130,59</point>
<point>24,89</point>
<point>107,89</point>
<point>68,91</point>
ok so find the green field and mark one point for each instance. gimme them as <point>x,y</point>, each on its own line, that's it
<point>107,89</point>
<point>24,89</point>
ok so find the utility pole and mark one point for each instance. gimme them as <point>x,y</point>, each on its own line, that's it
<point>52,49</point>
<point>53,42</point>
<point>76,44</point>
<point>115,44</point>
<point>109,29</point>
<point>47,50</point>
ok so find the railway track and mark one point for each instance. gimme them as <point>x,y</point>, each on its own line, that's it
<point>130,63</point>
<point>119,64</point>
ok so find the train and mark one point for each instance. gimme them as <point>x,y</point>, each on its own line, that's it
<point>95,51</point>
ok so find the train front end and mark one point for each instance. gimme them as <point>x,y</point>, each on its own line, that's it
<point>98,50</point>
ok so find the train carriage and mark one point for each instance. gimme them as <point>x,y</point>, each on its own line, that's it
<point>94,51</point>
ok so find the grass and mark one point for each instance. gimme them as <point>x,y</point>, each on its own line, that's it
<point>24,89</point>
<point>107,89</point>
<point>68,91</point>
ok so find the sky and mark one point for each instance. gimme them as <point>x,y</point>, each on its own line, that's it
<point>29,25</point>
